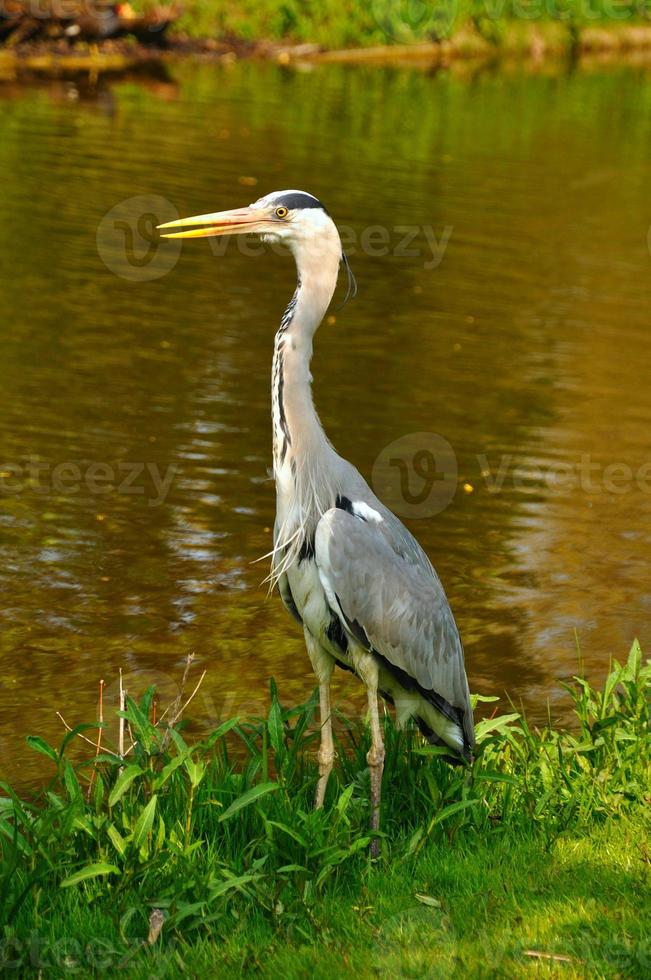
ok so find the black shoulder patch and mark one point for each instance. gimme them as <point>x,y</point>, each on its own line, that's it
<point>297,200</point>
<point>344,503</point>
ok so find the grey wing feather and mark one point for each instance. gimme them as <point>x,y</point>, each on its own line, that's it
<point>385,584</point>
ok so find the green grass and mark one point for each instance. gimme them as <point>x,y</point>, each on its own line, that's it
<point>348,23</point>
<point>541,848</point>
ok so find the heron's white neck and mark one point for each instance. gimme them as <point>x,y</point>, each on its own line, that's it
<point>299,442</point>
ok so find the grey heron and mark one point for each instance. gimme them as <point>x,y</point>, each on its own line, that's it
<point>347,569</point>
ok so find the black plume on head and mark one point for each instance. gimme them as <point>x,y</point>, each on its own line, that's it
<point>351,291</point>
<point>298,199</point>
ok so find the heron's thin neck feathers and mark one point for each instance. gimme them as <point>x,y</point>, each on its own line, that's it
<point>304,461</point>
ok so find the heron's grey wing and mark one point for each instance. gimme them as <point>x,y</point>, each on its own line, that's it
<point>398,606</point>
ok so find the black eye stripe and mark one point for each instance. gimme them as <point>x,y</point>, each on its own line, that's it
<point>298,200</point>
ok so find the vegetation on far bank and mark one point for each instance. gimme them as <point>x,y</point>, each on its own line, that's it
<point>334,24</point>
<point>384,30</point>
<point>342,24</point>
<point>172,858</point>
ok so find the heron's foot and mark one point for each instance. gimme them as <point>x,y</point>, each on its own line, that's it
<point>375,759</point>
<point>326,762</point>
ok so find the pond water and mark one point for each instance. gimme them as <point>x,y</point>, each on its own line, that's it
<point>134,405</point>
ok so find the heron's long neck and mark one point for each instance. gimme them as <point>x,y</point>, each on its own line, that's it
<point>298,436</point>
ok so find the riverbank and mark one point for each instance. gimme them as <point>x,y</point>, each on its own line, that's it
<point>169,859</point>
<point>535,42</point>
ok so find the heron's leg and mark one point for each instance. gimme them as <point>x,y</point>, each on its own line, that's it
<point>327,748</point>
<point>323,665</point>
<point>375,759</point>
<point>367,669</point>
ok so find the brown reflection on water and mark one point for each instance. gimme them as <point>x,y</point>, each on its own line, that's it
<point>527,348</point>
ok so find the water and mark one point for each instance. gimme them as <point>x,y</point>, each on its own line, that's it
<point>527,349</point>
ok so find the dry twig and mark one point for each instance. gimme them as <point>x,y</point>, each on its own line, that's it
<point>122,705</point>
<point>557,957</point>
<point>100,718</point>
<point>81,735</point>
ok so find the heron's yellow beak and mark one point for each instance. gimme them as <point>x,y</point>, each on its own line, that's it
<point>236,222</point>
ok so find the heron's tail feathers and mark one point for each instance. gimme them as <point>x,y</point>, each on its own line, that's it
<point>463,759</point>
<point>450,736</point>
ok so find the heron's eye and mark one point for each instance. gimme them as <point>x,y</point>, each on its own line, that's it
<point>281,212</point>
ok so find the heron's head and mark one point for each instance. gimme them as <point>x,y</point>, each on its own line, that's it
<point>295,218</point>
